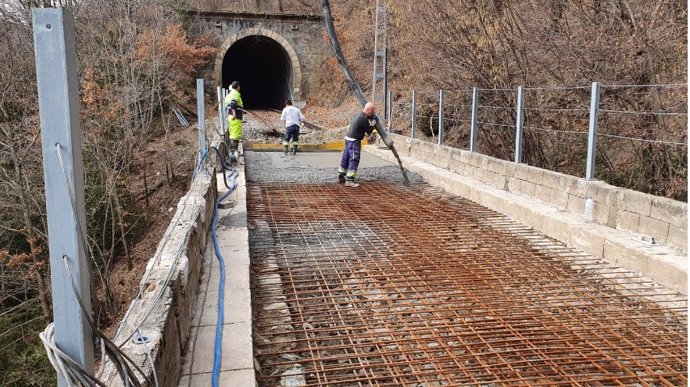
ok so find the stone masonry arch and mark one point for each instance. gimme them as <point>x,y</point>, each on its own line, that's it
<point>296,74</point>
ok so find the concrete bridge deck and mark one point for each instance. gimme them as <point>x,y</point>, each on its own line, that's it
<point>392,285</point>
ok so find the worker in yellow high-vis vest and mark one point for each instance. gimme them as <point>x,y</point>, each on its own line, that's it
<point>234,104</point>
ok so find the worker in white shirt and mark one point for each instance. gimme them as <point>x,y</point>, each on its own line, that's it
<point>293,118</point>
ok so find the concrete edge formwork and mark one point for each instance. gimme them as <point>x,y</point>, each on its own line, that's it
<point>163,312</point>
<point>472,176</point>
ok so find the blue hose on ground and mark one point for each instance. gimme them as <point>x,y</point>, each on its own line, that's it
<point>221,287</point>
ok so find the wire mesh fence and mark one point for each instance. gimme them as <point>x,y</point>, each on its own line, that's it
<point>639,131</point>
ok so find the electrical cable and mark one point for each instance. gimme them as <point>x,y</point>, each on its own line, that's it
<point>72,371</point>
<point>643,140</point>
<point>115,353</point>
<point>642,112</point>
<point>670,85</point>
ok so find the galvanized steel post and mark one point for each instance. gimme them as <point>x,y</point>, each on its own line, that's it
<point>201,122</point>
<point>220,109</point>
<point>473,125</point>
<point>225,112</point>
<point>592,137</point>
<point>414,114</point>
<point>440,117</point>
<point>389,115</point>
<point>518,124</point>
<point>58,101</point>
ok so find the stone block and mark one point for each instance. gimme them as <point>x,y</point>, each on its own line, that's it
<point>476,159</point>
<point>497,166</point>
<point>477,173</point>
<point>543,193</point>
<point>631,259</point>
<point>488,177</point>
<point>678,237</point>
<point>576,204</point>
<point>500,182</point>
<point>457,167</point>
<point>636,202</point>
<point>528,188</point>
<point>514,184</point>
<point>654,228</point>
<point>628,221</point>
<point>559,198</point>
<point>670,211</point>
<point>552,179</point>
<point>602,192</point>
<point>600,213</point>
<point>510,168</point>
<point>575,187</point>
<point>523,172</point>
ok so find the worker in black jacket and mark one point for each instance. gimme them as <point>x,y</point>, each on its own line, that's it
<point>363,123</point>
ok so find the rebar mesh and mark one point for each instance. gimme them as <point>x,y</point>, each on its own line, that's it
<point>390,286</point>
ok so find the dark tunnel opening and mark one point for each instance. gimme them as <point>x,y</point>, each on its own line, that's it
<point>262,66</point>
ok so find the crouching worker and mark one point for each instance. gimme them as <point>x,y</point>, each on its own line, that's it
<point>293,118</point>
<point>234,104</point>
<point>363,123</point>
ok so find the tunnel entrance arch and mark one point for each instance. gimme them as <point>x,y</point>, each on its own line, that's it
<point>264,63</point>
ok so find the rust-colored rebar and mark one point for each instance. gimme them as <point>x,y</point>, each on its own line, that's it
<point>391,286</point>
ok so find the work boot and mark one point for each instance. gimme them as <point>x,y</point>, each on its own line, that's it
<point>294,150</point>
<point>286,150</point>
<point>341,178</point>
<point>351,183</point>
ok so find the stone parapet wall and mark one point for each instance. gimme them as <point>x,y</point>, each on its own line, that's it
<point>169,288</point>
<point>660,218</point>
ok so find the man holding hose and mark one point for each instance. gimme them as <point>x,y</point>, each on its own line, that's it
<point>363,123</point>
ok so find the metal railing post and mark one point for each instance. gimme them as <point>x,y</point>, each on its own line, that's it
<point>390,110</point>
<point>220,109</point>
<point>440,117</point>
<point>473,125</point>
<point>58,100</point>
<point>225,111</point>
<point>414,114</point>
<point>201,114</point>
<point>518,124</point>
<point>592,137</point>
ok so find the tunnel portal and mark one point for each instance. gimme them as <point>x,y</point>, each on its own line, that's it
<point>263,68</point>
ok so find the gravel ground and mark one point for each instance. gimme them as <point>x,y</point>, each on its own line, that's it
<point>316,168</point>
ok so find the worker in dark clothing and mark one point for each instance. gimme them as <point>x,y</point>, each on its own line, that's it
<point>362,124</point>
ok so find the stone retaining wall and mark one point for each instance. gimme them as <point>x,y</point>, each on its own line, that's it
<point>169,289</point>
<point>663,219</point>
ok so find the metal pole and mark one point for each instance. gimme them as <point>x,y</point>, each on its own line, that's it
<point>225,112</point>
<point>592,137</point>
<point>201,114</point>
<point>518,124</point>
<point>220,108</point>
<point>58,101</point>
<point>473,125</point>
<point>440,117</point>
<point>390,110</point>
<point>386,92</point>
<point>414,114</point>
<point>376,54</point>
